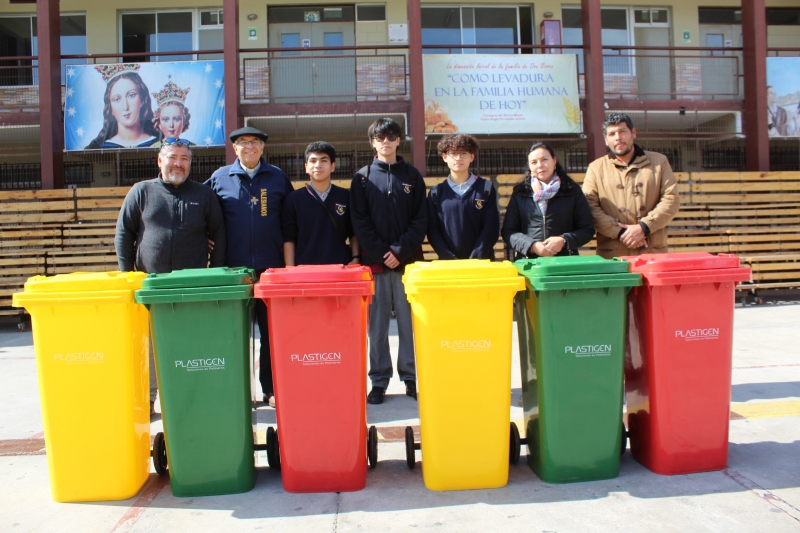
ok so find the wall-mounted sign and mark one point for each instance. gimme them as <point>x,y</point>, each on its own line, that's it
<point>252,34</point>
<point>136,105</point>
<point>501,93</point>
<point>687,37</point>
<point>398,33</point>
<point>306,43</point>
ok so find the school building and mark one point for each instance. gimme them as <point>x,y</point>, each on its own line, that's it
<point>692,77</point>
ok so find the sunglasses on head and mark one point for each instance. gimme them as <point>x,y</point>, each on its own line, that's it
<point>381,137</point>
<point>169,141</point>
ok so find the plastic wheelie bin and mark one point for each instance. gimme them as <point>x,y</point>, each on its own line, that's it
<point>200,324</point>
<point>90,339</point>
<point>318,338</point>
<point>678,365</point>
<point>571,323</point>
<point>462,318</point>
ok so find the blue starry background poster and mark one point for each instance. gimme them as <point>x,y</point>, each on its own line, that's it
<point>205,100</point>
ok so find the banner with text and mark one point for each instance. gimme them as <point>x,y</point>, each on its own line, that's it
<point>501,93</point>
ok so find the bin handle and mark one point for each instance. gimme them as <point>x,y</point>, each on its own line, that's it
<point>25,300</point>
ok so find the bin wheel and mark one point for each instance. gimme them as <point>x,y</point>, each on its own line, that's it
<point>411,458</point>
<point>160,454</point>
<point>624,441</point>
<point>372,446</point>
<point>514,445</point>
<point>273,449</point>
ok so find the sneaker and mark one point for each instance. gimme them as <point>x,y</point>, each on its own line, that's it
<point>411,389</point>
<point>375,396</point>
<point>269,399</point>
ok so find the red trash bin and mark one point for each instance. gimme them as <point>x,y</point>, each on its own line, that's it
<point>318,339</point>
<point>678,360</point>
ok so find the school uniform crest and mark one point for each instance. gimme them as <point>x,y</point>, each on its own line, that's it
<point>340,209</point>
<point>479,202</point>
<point>407,188</point>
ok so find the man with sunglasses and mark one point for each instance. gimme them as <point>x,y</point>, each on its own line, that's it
<point>387,210</point>
<point>164,223</point>
<point>252,193</point>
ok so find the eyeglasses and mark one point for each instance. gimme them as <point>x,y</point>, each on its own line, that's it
<point>381,137</point>
<point>243,144</point>
<point>175,141</point>
<point>458,155</point>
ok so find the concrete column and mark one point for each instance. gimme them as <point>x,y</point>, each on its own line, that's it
<point>417,115</point>
<point>230,14</point>
<point>51,121</point>
<point>594,112</point>
<point>754,56</point>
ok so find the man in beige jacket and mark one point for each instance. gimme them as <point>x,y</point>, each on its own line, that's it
<point>633,194</point>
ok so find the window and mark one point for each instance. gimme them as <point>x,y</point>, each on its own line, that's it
<point>719,15</point>
<point>277,15</point>
<point>290,40</point>
<point>18,37</point>
<point>370,12</point>
<point>333,39</point>
<point>171,31</point>
<point>783,16</point>
<point>615,31</point>
<point>651,17</point>
<point>471,25</point>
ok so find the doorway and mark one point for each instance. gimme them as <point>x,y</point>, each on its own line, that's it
<point>313,76</point>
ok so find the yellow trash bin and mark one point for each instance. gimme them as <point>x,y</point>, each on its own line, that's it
<point>91,343</point>
<point>462,313</point>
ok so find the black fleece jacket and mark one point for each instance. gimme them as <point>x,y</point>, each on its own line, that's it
<point>388,213</point>
<point>568,215</point>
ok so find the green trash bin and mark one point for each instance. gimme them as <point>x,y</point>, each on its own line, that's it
<point>201,331</point>
<point>571,324</point>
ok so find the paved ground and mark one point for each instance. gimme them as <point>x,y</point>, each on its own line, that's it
<point>759,491</point>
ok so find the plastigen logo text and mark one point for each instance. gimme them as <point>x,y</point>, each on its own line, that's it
<point>466,345</point>
<point>700,334</point>
<point>313,359</point>
<point>589,350</point>
<point>213,363</point>
<point>80,358</point>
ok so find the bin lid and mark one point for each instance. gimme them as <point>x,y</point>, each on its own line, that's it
<point>85,282</point>
<point>314,281</point>
<point>589,281</point>
<point>681,262</point>
<point>199,277</point>
<point>468,274</point>
<point>571,265</point>
<point>316,274</point>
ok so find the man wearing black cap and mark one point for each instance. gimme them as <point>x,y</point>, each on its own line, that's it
<point>251,193</point>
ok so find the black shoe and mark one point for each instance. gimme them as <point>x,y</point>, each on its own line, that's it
<point>375,396</point>
<point>411,389</point>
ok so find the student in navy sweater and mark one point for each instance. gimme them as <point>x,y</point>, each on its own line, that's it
<point>316,219</point>
<point>463,221</point>
<point>251,193</point>
<point>389,217</point>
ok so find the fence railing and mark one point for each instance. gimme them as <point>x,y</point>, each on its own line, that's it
<point>325,74</point>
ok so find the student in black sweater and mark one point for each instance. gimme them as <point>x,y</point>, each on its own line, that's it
<point>315,220</point>
<point>463,221</point>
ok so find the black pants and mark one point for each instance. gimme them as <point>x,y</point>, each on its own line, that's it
<point>265,366</point>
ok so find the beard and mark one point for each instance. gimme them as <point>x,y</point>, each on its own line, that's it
<point>175,179</point>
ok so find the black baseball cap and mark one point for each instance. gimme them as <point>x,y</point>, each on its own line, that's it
<point>241,132</point>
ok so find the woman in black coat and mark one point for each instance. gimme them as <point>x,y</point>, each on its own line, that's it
<point>547,214</point>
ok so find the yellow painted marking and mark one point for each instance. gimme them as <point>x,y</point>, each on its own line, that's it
<point>767,409</point>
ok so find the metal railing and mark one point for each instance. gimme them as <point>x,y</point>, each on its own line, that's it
<point>19,84</point>
<point>325,74</point>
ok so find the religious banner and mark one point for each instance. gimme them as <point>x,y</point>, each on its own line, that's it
<point>501,93</point>
<point>137,105</point>
<point>783,96</point>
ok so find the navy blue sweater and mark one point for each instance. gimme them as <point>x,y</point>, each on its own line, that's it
<point>252,211</point>
<point>464,227</point>
<point>388,212</point>
<point>317,240</point>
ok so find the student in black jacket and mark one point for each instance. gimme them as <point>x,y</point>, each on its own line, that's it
<point>315,220</point>
<point>463,222</point>
<point>547,214</point>
<point>387,202</point>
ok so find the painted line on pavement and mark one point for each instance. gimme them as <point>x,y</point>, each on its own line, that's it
<point>771,409</point>
<point>141,504</point>
<point>764,366</point>
<point>772,499</point>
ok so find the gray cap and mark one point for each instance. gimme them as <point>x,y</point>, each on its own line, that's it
<point>241,132</point>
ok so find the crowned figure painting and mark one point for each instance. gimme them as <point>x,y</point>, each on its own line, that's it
<point>171,118</point>
<point>127,109</point>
